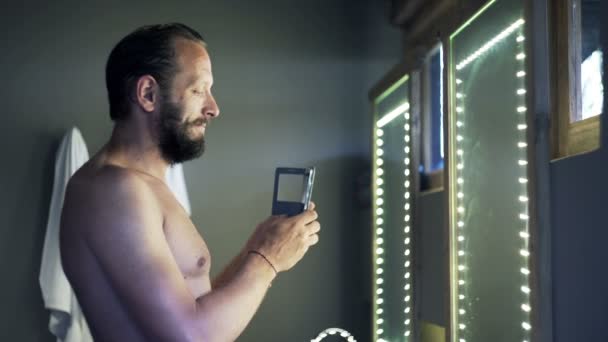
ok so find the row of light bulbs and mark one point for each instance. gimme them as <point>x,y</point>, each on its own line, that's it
<point>401,111</point>
<point>523,198</point>
<point>520,110</point>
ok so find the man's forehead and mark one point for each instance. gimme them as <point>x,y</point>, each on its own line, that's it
<point>192,58</point>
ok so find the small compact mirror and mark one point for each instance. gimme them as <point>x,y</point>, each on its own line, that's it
<point>292,187</point>
<point>292,190</point>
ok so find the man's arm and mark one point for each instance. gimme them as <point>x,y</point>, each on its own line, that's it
<point>229,271</point>
<point>125,232</point>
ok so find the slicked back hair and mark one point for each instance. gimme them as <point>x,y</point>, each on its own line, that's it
<point>149,50</point>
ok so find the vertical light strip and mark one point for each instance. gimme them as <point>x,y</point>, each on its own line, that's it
<point>522,145</point>
<point>379,196</point>
<point>459,232</point>
<point>379,245</point>
<point>378,233</point>
<point>408,288</point>
<point>441,143</point>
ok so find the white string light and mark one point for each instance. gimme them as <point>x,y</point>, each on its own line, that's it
<point>406,230</point>
<point>334,331</point>
<point>460,211</point>
<point>460,139</point>
<point>401,110</point>
<point>523,197</point>
<point>379,242</point>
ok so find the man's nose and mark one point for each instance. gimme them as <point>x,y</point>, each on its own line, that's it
<point>211,109</point>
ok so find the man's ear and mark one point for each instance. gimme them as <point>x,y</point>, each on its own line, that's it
<point>147,93</point>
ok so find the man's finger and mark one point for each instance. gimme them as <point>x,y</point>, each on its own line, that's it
<point>311,205</point>
<point>313,227</point>
<point>307,216</point>
<point>313,239</point>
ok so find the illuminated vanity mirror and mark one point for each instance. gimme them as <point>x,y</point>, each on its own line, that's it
<point>392,179</point>
<point>489,254</point>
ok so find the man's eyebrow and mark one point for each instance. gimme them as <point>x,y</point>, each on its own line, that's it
<point>193,79</point>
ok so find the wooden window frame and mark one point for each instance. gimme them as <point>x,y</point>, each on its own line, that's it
<point>569,137</point>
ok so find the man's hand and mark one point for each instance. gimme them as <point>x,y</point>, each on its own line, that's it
<point>285,240</point>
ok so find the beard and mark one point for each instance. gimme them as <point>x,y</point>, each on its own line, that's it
<point>174,143</point>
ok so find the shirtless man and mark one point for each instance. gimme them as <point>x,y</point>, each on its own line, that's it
<point>136,262</point>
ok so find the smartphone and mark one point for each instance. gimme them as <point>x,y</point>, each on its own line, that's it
<point>292,190</point>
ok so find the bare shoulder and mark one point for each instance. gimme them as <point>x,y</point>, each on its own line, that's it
<point>108,197</point>
<point>107,179</point>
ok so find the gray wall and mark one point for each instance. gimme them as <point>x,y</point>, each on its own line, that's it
<point>579,233</point>
<point>432,257</point>
<point>291,80</point>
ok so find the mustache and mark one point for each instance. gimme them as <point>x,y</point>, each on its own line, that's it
<point>198,122</point>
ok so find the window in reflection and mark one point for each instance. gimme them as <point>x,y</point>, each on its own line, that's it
<point>432,151</point>
<point>592,87</point>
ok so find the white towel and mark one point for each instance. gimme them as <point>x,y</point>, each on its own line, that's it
<point>176,182</point>
<point>67,321</point>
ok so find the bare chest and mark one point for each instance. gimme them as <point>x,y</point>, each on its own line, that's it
<point>187,246</point>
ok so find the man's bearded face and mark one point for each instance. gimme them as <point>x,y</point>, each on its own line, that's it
<point>176,146</point>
